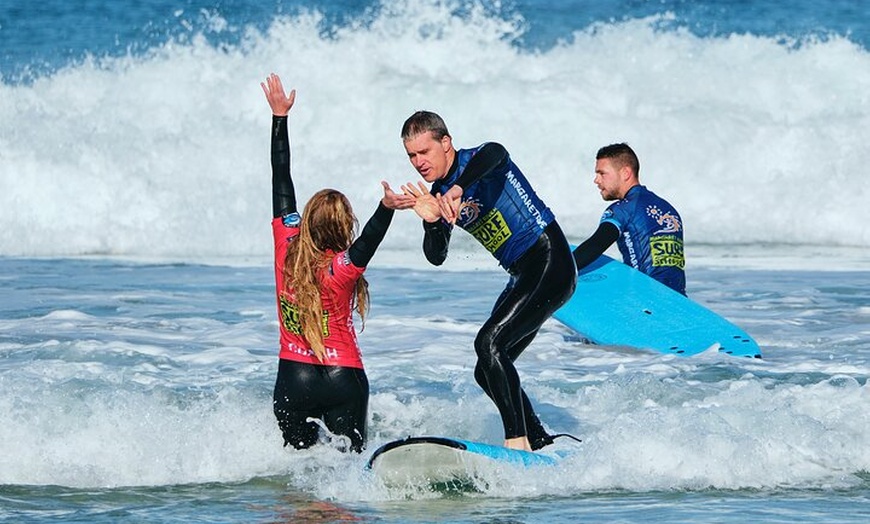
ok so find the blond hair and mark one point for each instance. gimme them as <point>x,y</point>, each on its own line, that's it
<point>328,225</point>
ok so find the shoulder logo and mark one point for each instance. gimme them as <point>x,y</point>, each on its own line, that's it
<point>670,223</point>
<point>291,220</point>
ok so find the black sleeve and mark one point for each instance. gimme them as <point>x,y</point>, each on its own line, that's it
<point>436,235</point>
<point>436,238</point>
<point>490,156</point>
<point>595,246</point>
<point>283,193</point>
<point>363,248</point>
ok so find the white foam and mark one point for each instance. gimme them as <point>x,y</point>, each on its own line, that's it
<point>167,154</point>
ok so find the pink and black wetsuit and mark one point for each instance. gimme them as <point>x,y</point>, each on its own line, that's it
<point>334,391</point>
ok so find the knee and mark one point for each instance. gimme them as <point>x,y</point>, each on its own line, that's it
<point>485,346</point>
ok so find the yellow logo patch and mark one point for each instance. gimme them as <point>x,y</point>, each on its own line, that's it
<point>667,251</point>
<point>491,230</point>
<point>290,318</point>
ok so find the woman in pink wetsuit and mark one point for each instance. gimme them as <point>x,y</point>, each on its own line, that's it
<point>319,283</point>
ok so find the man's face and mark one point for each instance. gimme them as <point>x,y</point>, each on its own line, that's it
<point>609,179</point>
<point>430,157</point>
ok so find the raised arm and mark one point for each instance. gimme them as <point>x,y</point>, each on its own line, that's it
<point>283,192</point>
<point>363,248</point>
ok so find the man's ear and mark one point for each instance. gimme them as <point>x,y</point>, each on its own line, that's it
<point>446,143</point>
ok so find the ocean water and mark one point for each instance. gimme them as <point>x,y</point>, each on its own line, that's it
<point>138,330</point>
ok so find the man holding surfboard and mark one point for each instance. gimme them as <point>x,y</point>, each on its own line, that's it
<point>482,191</point>
<point>647,229</point>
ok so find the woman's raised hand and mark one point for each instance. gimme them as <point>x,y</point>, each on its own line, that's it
<point>278,100</point>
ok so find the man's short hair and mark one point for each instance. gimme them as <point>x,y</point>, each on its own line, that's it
<point>621,155</point>
<point>422,122</point>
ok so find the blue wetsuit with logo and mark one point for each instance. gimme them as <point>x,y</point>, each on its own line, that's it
<point>650,236</point>
<point>501,210</point>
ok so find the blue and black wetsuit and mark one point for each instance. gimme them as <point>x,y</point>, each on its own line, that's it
<point>501,210</point>
<point>649,233</point>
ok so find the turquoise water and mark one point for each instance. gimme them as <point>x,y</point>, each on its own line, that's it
<point>141,392</point>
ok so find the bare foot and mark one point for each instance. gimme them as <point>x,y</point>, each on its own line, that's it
<point>521,443</point>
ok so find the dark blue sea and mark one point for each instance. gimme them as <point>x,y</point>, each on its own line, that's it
<point>138,332</point>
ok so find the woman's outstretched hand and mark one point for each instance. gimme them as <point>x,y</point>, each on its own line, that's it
<point>395,200</point>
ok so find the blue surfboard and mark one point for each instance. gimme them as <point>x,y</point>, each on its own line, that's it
<point>617,305</point>
<point>442,460</point>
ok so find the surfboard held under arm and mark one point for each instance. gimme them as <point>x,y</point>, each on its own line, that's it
<point>617,305</point>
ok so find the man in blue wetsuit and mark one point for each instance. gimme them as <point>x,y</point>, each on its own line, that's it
<point>482,191</point>
<point>647,229</point>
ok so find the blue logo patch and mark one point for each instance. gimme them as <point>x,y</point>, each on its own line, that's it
<point>291,220</point>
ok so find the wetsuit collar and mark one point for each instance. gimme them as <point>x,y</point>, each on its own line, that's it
<point>633,189</point>
<point>452,169</point>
